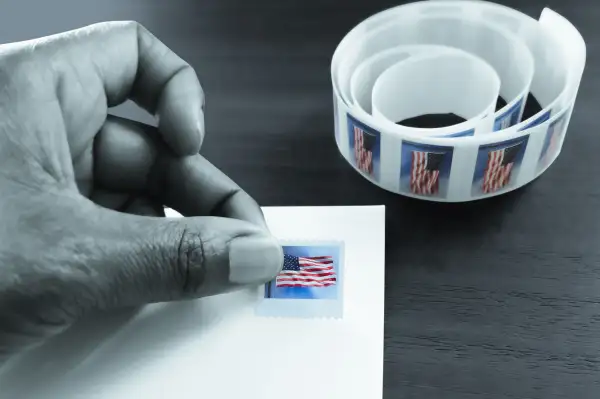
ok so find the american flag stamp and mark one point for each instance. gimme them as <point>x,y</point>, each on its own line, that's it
<point>336,126</point>
<point>498,165</point>
<point>552,141</point>
<point>538,121</point>
<point>425,169</point>
<point>365,150</point>
<point>510,117</point>
<point>310,283</point>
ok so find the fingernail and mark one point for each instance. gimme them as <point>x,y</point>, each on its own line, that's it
<point>254,260</point>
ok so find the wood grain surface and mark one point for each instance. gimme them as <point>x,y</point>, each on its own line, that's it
<point>492,299</point>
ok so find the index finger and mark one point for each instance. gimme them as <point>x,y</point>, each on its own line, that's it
<point>132,63</point>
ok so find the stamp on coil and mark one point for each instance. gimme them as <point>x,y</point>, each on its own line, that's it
<point>541,119</point>
<point>425,169</point>
<point>465,133</point>
<point>552,141</point>
<point>336,127</point>
<point>498,165</point>
<point>310,283</point>
<point>365,148</point>
<point>510,117</point>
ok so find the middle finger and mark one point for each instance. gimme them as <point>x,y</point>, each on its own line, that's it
<point>129,156</point>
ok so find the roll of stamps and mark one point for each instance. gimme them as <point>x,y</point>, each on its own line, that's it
<point>480,61</point>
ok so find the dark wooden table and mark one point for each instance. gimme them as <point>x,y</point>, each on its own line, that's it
<point>494,299</point>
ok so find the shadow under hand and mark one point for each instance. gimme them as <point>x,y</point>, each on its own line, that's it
<point>32,373</point>
<point>104,350</point>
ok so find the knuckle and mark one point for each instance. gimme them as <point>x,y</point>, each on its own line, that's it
<point>43,284</point>
<point>184,80</point>
<point>134,29</point>
<point>129,27</point>
<point>19,70</point>
<point>250,200</point>
<point>132,24</point>
<point>247,199</point>
<point>102,31</point>
<point>190,265</point>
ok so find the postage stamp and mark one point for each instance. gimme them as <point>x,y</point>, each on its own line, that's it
<point>510,117</point>
<point>425,169</point>
<point>365,144</point>
<point>310,284</point>
<point>552,141</point>
<point>538,121</point>
<point>498,166</point>
<point>336,127</point>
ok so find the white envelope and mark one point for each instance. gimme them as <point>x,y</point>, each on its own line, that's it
<point>219,347</point>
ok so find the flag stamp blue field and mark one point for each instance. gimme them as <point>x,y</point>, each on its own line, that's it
<point>309,284</point>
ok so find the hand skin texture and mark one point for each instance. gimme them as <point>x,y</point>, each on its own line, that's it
<point>82,225</point>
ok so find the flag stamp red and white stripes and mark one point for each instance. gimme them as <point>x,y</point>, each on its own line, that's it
<point>425,169</point>
<point>498,166</point>
<point>365,147</point>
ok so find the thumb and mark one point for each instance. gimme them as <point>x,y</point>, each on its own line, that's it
<point>139,259</point>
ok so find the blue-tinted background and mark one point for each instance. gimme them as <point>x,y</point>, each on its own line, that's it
<point>376,148</point>
<point>406,160</point>
<point>330,292</point>
<point>482,158</point>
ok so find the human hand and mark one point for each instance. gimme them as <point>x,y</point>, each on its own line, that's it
<point>82,225</point>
